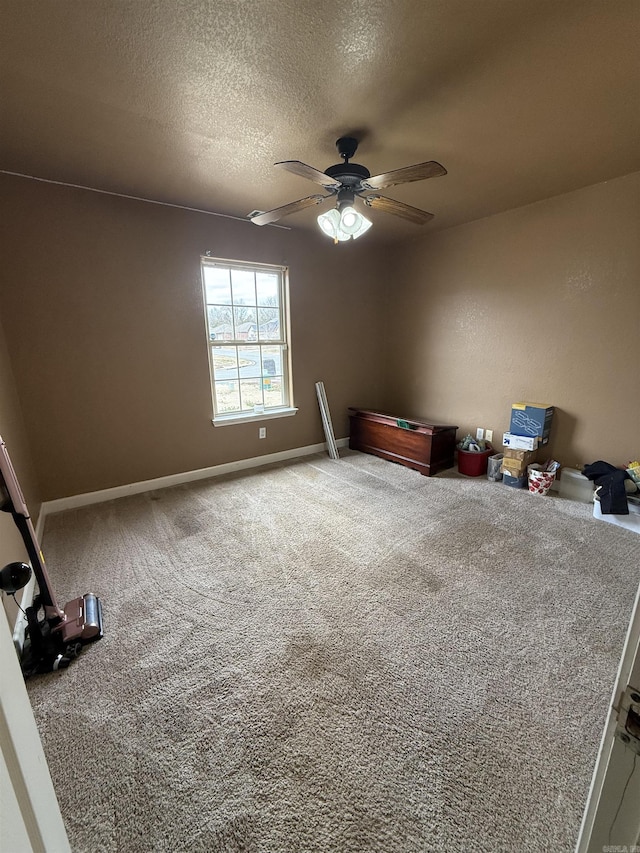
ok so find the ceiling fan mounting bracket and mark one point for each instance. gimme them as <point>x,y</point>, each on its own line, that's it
<point>347,147</point>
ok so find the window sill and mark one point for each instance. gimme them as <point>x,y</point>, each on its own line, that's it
<point>249,417</point>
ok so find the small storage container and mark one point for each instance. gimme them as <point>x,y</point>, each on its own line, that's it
<point>631,521</point>
<point>473,464</point>
<point>573,484</point>
<point>540,481</point>
<point>494,467</point>
<point>514,482</point>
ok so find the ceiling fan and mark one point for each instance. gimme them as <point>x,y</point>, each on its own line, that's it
<point>346,181</point>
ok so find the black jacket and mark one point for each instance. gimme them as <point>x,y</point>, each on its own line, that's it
<point>610,489</point>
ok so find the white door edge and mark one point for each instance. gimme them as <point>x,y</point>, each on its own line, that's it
<point>27,773</point>
<point>610,816</point>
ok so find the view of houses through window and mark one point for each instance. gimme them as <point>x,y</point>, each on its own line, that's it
<point>246,328</point>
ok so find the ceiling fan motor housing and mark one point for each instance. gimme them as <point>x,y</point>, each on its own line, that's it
<point>349,174</point>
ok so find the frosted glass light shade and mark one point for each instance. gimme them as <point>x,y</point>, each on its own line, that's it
<point>363,226</point>
<point>349,220</point>
<point>330,222</point>
<point>343,225</point>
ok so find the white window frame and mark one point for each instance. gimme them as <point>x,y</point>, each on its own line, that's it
<point>246,416</point>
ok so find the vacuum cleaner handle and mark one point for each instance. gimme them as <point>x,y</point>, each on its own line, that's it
<point>17,506</point>
<point>11,482</point>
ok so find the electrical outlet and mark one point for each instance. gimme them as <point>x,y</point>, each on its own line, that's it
<point>479,433</point>
<point>262,432</point>
<point>489,434</point>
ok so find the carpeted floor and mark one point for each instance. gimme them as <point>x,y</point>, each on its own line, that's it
<point>334,656</point>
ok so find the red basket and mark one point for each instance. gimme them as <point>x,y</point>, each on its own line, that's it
<point>474,464</point>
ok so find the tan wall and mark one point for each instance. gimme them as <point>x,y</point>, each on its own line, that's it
<point>13,432</point>
<point>104,320</point>
<point>101,303</point>
<point>541,303</point>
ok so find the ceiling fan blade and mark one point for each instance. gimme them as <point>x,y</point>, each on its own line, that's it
<point>293,207</point>
<point>310,173</point>
<point>404,176</point>
<point>399,208</point>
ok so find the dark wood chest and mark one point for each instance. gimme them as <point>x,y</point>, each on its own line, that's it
<point>423,446</point>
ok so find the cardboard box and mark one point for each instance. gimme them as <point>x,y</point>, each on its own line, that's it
<point>515,462</point>
<point>520,442</point>
<point>532,419</point>
<point>514,467</point>
<point>526,456</point>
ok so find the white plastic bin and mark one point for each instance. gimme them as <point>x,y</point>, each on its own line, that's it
<point>574,485</point>
<point>631,521</point>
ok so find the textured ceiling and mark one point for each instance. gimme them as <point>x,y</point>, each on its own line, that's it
<point>192,102</point>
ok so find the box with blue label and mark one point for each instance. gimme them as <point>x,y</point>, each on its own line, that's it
<point>520,442</point>
<point>532,419</point>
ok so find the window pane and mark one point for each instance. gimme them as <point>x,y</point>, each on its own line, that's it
<point>268,324</point>
<point>251,392</point>
<point>227,396</point>
<point>273,388</point>
<point>271,361</point>
<point>217,285</point>
<point>245,324</point>
<point>225,363</point>
<point>244,288</point>
<point>249,358</point>
<point>267,285</point>
<point>220,322</point>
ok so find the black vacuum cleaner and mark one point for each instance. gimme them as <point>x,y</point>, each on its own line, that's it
<point>53,637</point>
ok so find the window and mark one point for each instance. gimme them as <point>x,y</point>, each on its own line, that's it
<point>247,330</point>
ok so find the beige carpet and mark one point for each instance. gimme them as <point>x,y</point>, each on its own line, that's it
<point>335,656</point>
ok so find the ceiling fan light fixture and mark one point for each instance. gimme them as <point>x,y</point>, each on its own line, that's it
<point>343,225</point>
<point>329,222</point>
<point>360,227</point>
<point>349,219</point>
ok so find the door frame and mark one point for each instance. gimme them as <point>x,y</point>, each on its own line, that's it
<point>37,820</point>
<point>611,817</point>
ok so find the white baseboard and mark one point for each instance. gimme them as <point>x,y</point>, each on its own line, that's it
<point>74,501</point>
